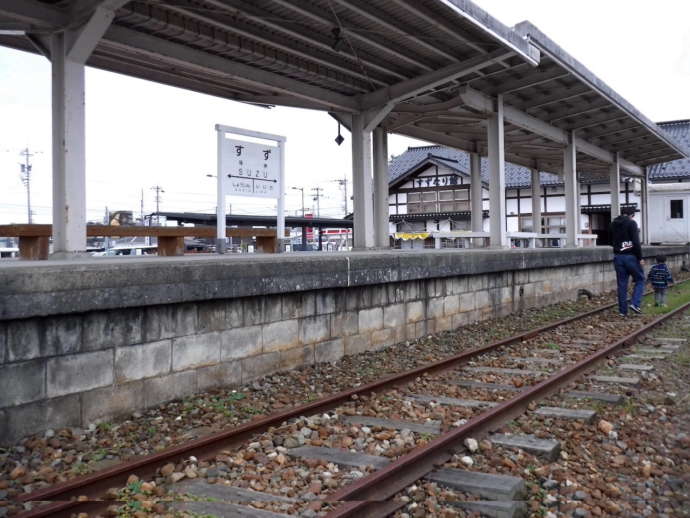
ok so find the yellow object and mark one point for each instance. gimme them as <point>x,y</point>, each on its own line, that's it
<point>406,236</point>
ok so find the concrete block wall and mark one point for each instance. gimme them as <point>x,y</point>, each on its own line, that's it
<point>76,369</point>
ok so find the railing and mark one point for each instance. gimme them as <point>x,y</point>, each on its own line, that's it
<point>468,239</point>
<point>34,239</point>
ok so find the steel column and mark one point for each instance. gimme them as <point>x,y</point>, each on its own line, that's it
<point>381,210</point>
<point>615,187</point>
<point>476,194</point>
<point>69,150</point>
<point>536,201</point>
<point>572,193</point>
<point>497,178</point>
<point>644,202</point>
<point>363,217</point>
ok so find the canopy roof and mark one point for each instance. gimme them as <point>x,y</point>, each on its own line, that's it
<point>437,65</point>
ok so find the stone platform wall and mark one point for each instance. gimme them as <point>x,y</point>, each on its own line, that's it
<point>72,367</point>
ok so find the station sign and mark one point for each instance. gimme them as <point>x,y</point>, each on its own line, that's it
<point>250,169</point>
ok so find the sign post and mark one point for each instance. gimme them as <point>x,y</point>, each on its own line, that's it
<point>249,168</point>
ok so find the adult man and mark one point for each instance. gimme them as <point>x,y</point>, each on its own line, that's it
<point>627,260</point>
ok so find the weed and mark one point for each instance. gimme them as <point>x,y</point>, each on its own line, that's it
<point>553,346</point>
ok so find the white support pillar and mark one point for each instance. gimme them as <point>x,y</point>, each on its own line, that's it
<point>644,202</point>
<point>497,178</point>
<point>363,223</point>
<point>476,195</point>
<point>572,193</point>
<point>615,187</point>
<point>69,151</point>
<point>536,201</point>
<point>381,197</point>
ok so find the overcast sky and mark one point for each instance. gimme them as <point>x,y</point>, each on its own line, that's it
<point>141,134</point>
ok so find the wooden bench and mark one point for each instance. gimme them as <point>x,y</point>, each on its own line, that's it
<point>34,239</point>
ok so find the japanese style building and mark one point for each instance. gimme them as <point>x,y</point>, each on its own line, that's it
<point>430,191</point>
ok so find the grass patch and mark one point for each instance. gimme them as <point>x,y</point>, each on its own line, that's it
<point>676,296</point>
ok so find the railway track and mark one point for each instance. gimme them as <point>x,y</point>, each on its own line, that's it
<point>368,445</point>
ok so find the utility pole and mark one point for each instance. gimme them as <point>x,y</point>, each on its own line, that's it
<point>159,190</point>
<point>302,190</point>
<point>25,175</point>
<point>343,184</point>
<point>317,199</point>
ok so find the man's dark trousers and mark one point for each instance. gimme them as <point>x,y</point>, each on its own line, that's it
<point>627,266</point>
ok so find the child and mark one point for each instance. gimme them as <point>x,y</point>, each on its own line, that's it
<point>660,277</point>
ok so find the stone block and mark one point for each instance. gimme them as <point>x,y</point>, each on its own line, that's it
<point>422,328</point>
<point>370,320</point>
<point>273,308</point>
<point>280,335</point>
<point>296,357</point>
<point>257,366</point>
<point>117,328</point>
<point>482,299</point>
<point>3,343</point>
<point>195,351</point>
<point>345,323</point>
<point>167,388</point>
<point>211,316</point>
<point>478,282</point>
<point>61,335</point>
<point>314,329</point>
<point>20,421</point>
<point>241,342</point>
<point>185,318</point>
<point>158,324</point>
<point>394,316</point>
<point>356,344</point>
<point>142,361</point>
<point>234,313</point>
<point>22,382</point>
<point>443,324</point>
<point>451,304</point>
<point>415,311</point>
<point>222,375</point>
<point>259,310</point>
<point>413,291</point>
<point>330,351</point>
<point>23,340</point>
<point>459,320</point>
<point>434,307</point>
<point>382,338</point>
<point>79,372</point>
<point>299,305</point>
<point>116,401</point>
<point>325,302</point>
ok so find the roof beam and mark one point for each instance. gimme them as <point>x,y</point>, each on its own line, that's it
<point>366,9</point>
<point>560,95</point>
<point>229,23</point>
<point>83,41</point>
<point>415,86</point>
<point>537,78</point>
<point>33,12</point>
<point>185,56</point>
<point>317,16</point>
<point>480,102</point>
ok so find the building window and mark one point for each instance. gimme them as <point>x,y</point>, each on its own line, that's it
<point>555,225</point>
<point>676,209</point>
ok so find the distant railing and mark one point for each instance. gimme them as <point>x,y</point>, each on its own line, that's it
<point>34,240</point>
<point>469,239</point>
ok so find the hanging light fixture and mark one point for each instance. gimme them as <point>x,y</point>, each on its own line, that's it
<point>339,139</point>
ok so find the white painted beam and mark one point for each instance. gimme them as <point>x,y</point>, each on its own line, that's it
<point>69,153</point>
<point>83,40</point>
<point>363,210</point>
<point>615,187</point>
<point>644,202</point>
<point>572,193</point>
<point>381,200</point>
<point>497,178</point>
<point>174,53</point>
<point>484,104</point>
<point>415,86</point>
<point>476,194</point>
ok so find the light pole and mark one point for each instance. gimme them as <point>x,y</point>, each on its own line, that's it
<point>302,190</point>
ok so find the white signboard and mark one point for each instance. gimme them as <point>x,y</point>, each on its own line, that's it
<point>250,169</point>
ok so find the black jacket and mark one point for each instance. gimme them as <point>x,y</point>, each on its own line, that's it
<point>626,237</point>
